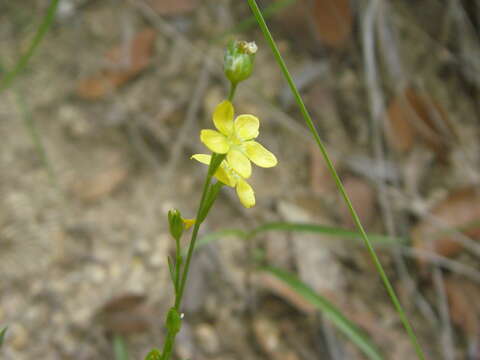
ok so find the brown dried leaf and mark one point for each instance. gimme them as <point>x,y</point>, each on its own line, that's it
<point>282,290</point>
<point>173,7</point>
<point>125,314</point>
<point>362,196</point>
<point>333,21</point>
<point>100,185</point>
<point>459,211</point>
<point>125,63</point>
<point>464,306</point>
<point>414,116</point>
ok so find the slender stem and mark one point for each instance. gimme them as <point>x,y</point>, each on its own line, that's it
<point>178,263</point>
<point>391,292</point>
<point>231,94</point>
<point>170,340</point>
<point>42,30</point>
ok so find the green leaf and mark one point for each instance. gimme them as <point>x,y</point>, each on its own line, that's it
<point>154,354</point>
<point>120,348</point>
<point>348,328</point>
<point>322,229</point>
<point>2,335</point>
<point>171,267</point>
<point>298,227</point>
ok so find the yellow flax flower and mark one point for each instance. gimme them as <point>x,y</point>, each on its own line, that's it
<point>227,175</point>
<point>235,138</point>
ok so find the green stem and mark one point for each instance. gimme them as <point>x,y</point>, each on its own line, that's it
<point>391,292</point>
<point>231,93</point>
<point>214,164</point>
<point>42,30</point>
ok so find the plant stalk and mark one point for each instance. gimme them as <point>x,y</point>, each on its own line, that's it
<point>306,116</point>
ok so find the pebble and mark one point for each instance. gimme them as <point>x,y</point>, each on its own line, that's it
<point>207,338</point>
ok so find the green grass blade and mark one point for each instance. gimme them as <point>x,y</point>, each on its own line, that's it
<point>323,229</point>
<point>120,348</point>
<point>348,328</point>
<point>2,336</point>
<point>23,61</point>
<point>216,235</point>
<point>308,120</point>
<point>298,227</point>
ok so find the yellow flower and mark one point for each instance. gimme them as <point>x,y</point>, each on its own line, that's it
<point>227,175</point>
<point>235,138</point>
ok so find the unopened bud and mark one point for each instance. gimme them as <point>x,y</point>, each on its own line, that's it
<point>176,223</point>
<point>239,58</point>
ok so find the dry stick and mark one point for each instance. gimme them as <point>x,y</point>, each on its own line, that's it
<point>191,117</point>
<point>377,109</point>
<point>391,292</point>
<point>446,338</point>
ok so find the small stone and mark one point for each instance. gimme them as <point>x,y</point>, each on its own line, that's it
<point>207,338</point>
<point>19,336</point>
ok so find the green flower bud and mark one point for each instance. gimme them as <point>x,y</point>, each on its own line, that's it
<point>238,62</point>
<point>155,354</point>
<point>176,223</point>
<point>174,321</point>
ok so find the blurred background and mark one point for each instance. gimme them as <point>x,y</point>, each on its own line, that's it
<point>96,138</point>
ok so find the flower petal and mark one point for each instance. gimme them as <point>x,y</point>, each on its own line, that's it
<point>245,193</point>
<point>223,117</point>
<point>259,155</point>
<point>214,141</point>
<point>239,163</point>
<point>203,158</point>
<point>224,175</point>
<point>246,127</point>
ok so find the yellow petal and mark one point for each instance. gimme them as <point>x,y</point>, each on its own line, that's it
<point>203,158</point>
<point>259,155</point>
<point>224,176</point>
<point>188,223</point>
<point>245,194</point>
<point>223,117</point>
<point>239,163</point>
<point>246,127</point>
<point>214,141</point>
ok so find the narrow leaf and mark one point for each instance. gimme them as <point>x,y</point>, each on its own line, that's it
<point>348,328</point>
<point>171,267</point>
<point>120,348</point>
<point>2,335</point>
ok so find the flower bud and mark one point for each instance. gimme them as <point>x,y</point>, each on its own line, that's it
<point>238,62</point>
<point>176,223</point>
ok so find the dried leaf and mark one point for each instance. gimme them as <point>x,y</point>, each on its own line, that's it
<point>126,62</point>
<point>362,196</point>
<point>333,21</point>
<point>416,117</point>
<point>464,306</point>
<point>279,288</point>
<point>173,7</point>
<point>460,211</point>
<point>125,314</point>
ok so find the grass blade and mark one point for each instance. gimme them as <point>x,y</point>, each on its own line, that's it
<point>349,329</point>
<point>2,336</point>
<point>341,189</point>
<point>298,227</point>
<point>23,61</point>
<point>323,229</point>
<point>120,348</point>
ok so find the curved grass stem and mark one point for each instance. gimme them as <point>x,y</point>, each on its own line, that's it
<point>42,30</point>
<point>306,116</point>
